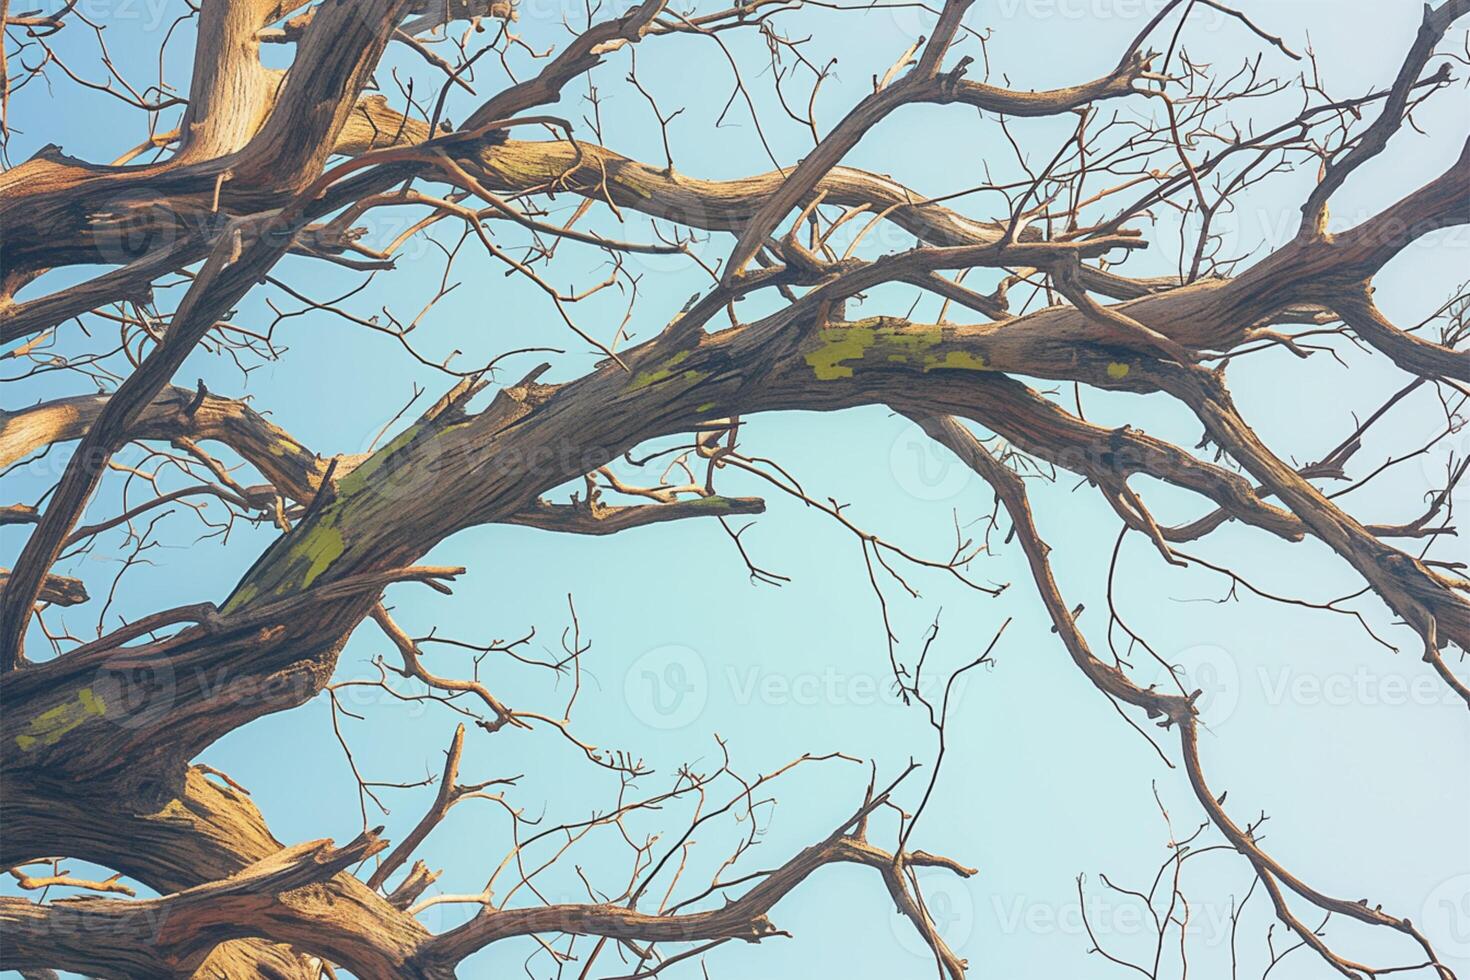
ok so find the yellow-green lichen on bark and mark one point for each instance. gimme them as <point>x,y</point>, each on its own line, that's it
<point>243,597</point>
<point>643,379</point>
<point>305,559</point>
<point>1117,370</point>
<point>895,344</point>
<point>51,725</point>
<point>961,360</point>
<point>298,560</point>
<point>705,502</point>
<point>319,549</point>
<point>358,479</point>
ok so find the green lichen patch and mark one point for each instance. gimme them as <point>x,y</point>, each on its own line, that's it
<point>243,597</point>
<point>840,344</point>
<point>51,725</point>
<point>318,550</point>
<point>961,360</point>
<point>665,371</point>
<point>876,338</point>
<point>717,502</point>
<point>305,559</point>
<point>301,558</point>
<point>1117,370</point>
<point>358,478</point>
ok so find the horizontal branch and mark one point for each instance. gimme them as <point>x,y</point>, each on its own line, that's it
<point>277,898</point>
<point>599,518</point>
<point>401,501</point>
<point>56,589</point>
<point>175,413</point>
<point>1412,354</point>
<point>744,918</point>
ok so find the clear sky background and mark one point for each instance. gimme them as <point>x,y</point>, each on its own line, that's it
<point>1356,753</point>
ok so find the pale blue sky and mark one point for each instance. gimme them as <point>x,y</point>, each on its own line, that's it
<point>1359,759</point>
